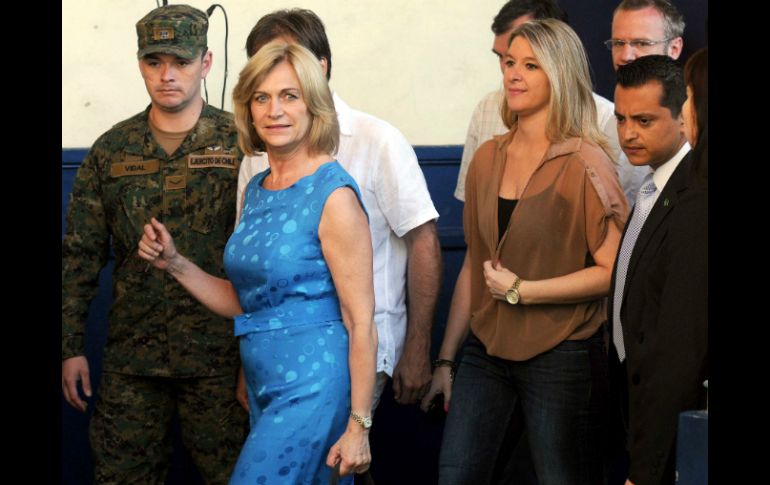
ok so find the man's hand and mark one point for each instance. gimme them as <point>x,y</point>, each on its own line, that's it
<point>73,370</point>
<point>412,376</point>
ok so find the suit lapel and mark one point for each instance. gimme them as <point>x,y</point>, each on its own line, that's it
<point>666,201</point>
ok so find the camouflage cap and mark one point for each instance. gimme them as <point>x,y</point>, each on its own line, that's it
<point>173,29</point>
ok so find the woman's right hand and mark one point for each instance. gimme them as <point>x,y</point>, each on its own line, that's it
<point>440,384</point>
<point>157,245</point>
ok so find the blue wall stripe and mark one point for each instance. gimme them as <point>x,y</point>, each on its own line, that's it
<point>72,156</point>
<point>426,154</point>
<point>442,153</point>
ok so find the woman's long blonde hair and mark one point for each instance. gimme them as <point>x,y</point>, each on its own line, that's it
<point>571,109</point>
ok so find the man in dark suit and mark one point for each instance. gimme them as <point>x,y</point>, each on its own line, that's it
<point>658,296</point>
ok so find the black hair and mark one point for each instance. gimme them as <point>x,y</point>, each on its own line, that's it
<point>538,9</point>
<point>301,24</point>
<point>656,68</point>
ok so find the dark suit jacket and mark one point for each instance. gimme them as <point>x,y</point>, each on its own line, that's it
<point>665,324</point>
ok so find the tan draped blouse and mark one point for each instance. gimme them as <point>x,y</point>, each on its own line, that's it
<point>561,217</point>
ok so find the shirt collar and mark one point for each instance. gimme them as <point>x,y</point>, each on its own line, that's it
<point>664,172</point>
<point>558,149</point>
<point>344,115</point>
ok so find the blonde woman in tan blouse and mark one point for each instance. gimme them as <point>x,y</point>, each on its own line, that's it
<point>543,216</point>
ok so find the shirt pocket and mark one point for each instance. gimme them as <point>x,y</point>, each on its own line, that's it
<point>137,199</point>
<point>211,191</point>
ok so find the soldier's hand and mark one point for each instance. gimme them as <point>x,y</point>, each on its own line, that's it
<point>73,370</point>
<point>240,390</point>
<point>157,245</point>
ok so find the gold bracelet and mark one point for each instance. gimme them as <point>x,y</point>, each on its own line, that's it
<point>446,363</point>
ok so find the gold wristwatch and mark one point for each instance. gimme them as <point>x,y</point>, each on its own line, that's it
<point>364,421</point>
<point>512,295</point>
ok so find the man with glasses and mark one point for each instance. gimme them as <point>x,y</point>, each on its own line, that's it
<point>644,27</point>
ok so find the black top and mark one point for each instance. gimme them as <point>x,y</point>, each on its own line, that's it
<point>504,210</point>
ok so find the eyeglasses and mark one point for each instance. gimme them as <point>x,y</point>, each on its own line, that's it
<point>640,44</point>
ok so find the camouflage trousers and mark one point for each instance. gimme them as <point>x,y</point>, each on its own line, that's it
<point>130,428</point>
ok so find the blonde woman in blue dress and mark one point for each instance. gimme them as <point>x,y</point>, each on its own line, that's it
<point>300,280</point>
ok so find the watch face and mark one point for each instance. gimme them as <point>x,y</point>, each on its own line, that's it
<point>364,421</point>
<point>512,296</point>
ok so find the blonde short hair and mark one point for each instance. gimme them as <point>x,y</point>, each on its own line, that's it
<point>571,108</point>
<point>324,132</point>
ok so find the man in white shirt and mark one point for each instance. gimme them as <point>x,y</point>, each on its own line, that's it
<point>486,121</point>
<point>402,218</point>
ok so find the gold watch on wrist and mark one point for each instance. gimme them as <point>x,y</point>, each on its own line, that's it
<point>364,421</point>
<point>512,295</point>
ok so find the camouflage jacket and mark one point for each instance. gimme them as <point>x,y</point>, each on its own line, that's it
<point>155,327</point>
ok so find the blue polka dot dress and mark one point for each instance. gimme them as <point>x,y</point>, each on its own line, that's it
<point>294,348</point>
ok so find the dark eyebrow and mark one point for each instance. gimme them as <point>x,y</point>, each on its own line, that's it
<point>528,58</point>
<point>282,91</point>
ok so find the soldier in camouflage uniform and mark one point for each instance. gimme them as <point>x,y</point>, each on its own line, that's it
<point>177,161</point>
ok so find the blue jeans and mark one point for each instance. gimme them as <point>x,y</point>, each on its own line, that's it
<point>562,395</point>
